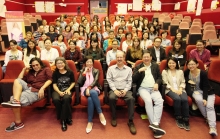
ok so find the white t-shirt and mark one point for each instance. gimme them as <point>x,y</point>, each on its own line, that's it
<point>50,55</point>
<point>9,56</point>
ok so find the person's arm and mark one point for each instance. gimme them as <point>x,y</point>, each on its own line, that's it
<point>182,80</point>
<point>68,90</point>
<point>102,55</point>
<point>129,81</point>
<point>207,57</point>
<point>137,74</point>
<point>165,79</point>
<point>82,77</point>
<point>109,78</point>
<point>108,58</point>
<point>205,84</point>
<point>159,77</point>
<point>95,81</point>
<point>38,54</point>
<point>79,57</point>
<point>21,75</point>
<point>25,59</point>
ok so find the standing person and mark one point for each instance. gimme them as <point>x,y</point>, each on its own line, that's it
<point>201,93</point>
<point>157,52</point>
<point>119,77</point>
<point>201,53</point>
<point>30,52</point>
<point>134,53</point>
<point>90,87</point>
<point>27,89</point>
<point>73,54</point>
<point>174,79</point>
<point>63,83</point>
<point>12,54</point>
<point>179,53</point>
<point>148,79</point>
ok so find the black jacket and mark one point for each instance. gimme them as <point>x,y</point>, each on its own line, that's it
<point>204,84</point>
<point>153,53</point>
<point>138,77</point>
<point>95,73</point>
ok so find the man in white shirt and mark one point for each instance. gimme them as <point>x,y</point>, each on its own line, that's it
<point>111,55</point>
<point>80,43</point>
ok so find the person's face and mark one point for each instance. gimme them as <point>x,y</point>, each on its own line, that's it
<point>171,64</point>
<point>72,45</point>
<point>164,35</point>
<point>123,23</point>
<point>94,44</point>
<point>36,66</point>
<point>58,23</point>
<point>131,18</point>
<point>60,38</point>
<point>31,45</point>
<point>200,46</point>
<point>68,29</point>
<point>107,28</point>
<point>111,35</point>
<point>89,63</point>
<point>129,37</point>
<point>141,18</point>
<point>48,44</point>
<point>41,29</point>
<point>93,23</point>
<point>120,58</point>
<point>94,36</point>
<point>145,36</point>
<point>51,29</point>
<point>61,19</point>
<point>13,46</point>
<point>177,45</point>
<point>44,22</point>
<point>115,45</point>
<point>74,20</point>
<point>155,23</point>
<point>28,36</point>
<point>117,18</point>
<point>152,29</point>
<point>81,28</point>
<point>192,65</point>
<point>60,65</point>
<point>135,22</point>
<point>146,58</point>
<point>106,18</point>
<point>145,22</point>
<point>44,36</point>
<point>178,36</point>
<point>71,24</point>
<point>76,35</point>
<point>83,17</point>
<point>157,42</point>
<point>85,22</point>
<point>95,28</point>
<point>120,31</point>
<point>134,29</point>
<point>136,42</point>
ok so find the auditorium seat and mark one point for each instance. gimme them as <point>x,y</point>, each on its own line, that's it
<point>52,24</point>
<point>184,28</point>
<point>215,78</point>
<point>209,27</point>
<point>167,50</point>
<point>174,25</point>
<point>197,20</point>
<point>210,37</point>
<point>83,99</point>
<point>208,23</point>
<point>161,19</point>
<point>197,24</point>
<point>181,16</point>
<point>188,18</point>
<point>188,50</point>
<point>195,34</point>
<point>27,25</point>
<point>33,23</point>
<point>201,65</point>
<point>4,36</point>
<point>166,23</point>
<point>58,49</point>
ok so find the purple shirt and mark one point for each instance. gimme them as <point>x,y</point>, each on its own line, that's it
<point>205,57</point>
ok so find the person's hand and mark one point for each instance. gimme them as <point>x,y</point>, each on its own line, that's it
<point>142,69</point>
<point>76,62</point>
<point>87,69</point>
<point>204,102</point>
<point>179,92</point>
<point>191,82</point>
<point>67,92</point>
<point>87,92</point>
<point>205,66</point>
<point>41,93</point>
<point>158,63</point>
<point>117,93</point>
<point>123,93</point>
<point>155,87</point>
<point>62,94</point>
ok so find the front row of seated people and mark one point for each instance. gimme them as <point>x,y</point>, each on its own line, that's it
<point>29,88</point>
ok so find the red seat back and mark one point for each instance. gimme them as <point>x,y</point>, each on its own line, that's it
<point>13,69</point>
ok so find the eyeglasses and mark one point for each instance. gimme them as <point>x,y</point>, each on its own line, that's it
<point>59,63</point>
<point>36,65</point>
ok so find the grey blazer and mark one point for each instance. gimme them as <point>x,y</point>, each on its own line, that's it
<point>167,79</point>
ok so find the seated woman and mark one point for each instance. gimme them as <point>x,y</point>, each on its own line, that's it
<point>135,33</point>
<point>201,53</point>
<point>30,53</point>
<point>27,89</point>
<point>88,80</point>
<point>120,34</point>
<point>82,32</point>
<point>127,42</point>
<point>41,41</point>
<point>201,92</point>
<point>145,41</point>
<point>49,53</point>
<point>134,53</point>
<point>93,36</point>
<point>107,29</point>
<point>12,54</point>
<point>117,21</point>
<point>130,22</point>
<point>73,54</point>
<point>95,29</point>
<point>60,42</point>
<point>24,42</point>
<point>52,34</point>
<point>94,51</point>
<point>68,34</point>
<point>63,83</point>
<point>174,79</point>
<point>137,24</point>
<point>152,32</point>
<point>145,25</point>
<point>179,53</point>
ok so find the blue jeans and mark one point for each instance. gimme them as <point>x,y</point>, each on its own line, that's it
<point>93,102</point>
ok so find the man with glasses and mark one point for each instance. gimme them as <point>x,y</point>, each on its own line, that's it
<point>27,89</point>
<point>111,55</point>
<point>157,51</point>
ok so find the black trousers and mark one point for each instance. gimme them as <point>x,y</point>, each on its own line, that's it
<point>128,98</point>
<point>63,106</point>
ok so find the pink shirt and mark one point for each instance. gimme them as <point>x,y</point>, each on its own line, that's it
<point>205,56</point>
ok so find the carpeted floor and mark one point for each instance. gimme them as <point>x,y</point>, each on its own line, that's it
<point>42,124</point>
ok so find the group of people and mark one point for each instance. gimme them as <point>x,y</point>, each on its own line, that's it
<point>73,42</point>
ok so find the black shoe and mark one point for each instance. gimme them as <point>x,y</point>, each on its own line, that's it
<point>186,125</point>
<point>63,125</point>
<point>157,130</point>
<point>69,121</point>
<point>114,122</point>
<point>132,128</point>
<point>157,135</point>
<point>179,122</point>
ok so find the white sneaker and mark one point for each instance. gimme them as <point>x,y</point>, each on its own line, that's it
<point>213,131</point>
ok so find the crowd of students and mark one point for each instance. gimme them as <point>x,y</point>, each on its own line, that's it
<point>85,42</point>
